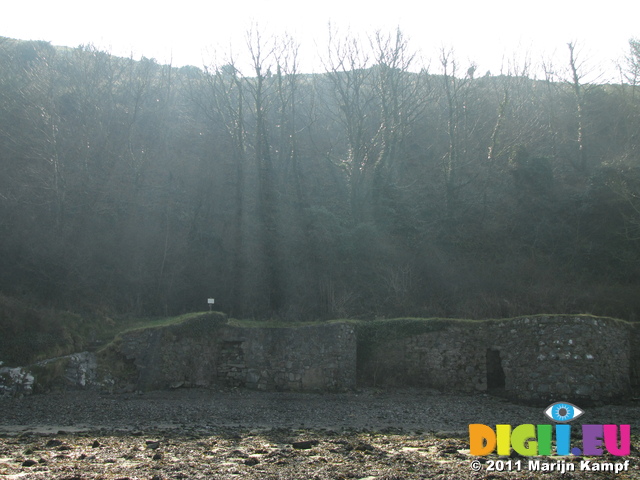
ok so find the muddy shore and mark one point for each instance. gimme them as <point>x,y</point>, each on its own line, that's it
<point>254,435</point>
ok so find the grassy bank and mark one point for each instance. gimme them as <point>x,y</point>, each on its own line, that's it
<point>29,334</point>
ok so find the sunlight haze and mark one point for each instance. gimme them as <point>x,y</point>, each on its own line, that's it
<point>490,34</point>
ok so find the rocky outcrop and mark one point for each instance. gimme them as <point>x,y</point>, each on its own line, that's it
<point>75,370</point>
<point>78,370</point>
<point>15,381</point>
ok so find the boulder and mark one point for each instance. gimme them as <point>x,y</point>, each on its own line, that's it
<point>15,381</point>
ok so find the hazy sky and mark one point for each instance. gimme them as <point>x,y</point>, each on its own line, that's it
<point>490,33</point>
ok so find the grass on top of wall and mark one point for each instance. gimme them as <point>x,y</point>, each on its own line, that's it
<point>29,334</point>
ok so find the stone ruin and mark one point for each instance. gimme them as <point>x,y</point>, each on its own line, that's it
<point>529,359</point>
<point>206,351</point>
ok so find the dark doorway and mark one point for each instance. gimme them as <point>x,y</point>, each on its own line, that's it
<point>495,373</point>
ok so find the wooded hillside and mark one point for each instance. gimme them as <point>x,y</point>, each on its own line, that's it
<point>374,189</point>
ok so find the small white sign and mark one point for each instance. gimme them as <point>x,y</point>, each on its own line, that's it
<point>211,301</point>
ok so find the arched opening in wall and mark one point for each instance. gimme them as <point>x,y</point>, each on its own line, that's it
<point>495,373</point>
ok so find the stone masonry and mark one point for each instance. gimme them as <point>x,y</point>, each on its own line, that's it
<point>531,359</point>
<point>206,351</point>
<point>538,358</point>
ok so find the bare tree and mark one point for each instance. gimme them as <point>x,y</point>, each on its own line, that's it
<point>578,90</point>
<point>348,71</point>
<point>631,69</point>
<point>398,95</point>
<point>287,78</point>
<point>262,54</point>
<point>456,88</point>
<point>221,96</point>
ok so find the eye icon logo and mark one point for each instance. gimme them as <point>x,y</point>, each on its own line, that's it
<point>563,412</point>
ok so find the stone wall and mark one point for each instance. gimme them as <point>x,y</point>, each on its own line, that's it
<point>531,359</point>
<point>440,354</point>
<point>207,351</point>
<point>537,358</point>
<point>581,358</point>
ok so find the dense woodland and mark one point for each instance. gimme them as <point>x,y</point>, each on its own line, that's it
<point>379,188</point>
